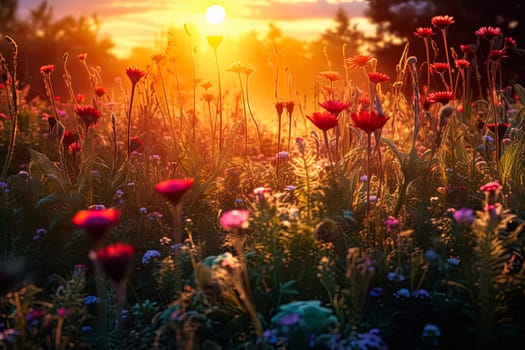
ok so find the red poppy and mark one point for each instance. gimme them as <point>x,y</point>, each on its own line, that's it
<point>173,190</point>
<point>136,143</point>
<point>335,107</point>
<point>423,32</point>
<point>88,115</point>
<point>368,121</point>
<point>442,22</point>
<point>135,74</point>
<point>80,98</point>
<point>323,120</point>
<point>48,69</point>
<point>158,57</point>
<point>96,223</point>
<point>443,97</point>
<point>378,77</point>
<point>74,148</point>
<point>82,56</point>
<point>114,260</point>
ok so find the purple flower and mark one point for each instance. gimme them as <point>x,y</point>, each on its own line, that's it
<point>421,294</point>
<point>289,320</point>
<point>149,256</point>
<point>464,216</point>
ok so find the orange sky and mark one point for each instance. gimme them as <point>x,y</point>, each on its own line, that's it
<point>140,22</point>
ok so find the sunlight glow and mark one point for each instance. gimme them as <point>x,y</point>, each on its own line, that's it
<point>215,14</point>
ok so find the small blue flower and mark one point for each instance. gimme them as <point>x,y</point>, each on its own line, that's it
<point>90,299</point>
<point>453,261</point>
<point>85,329</point>
<point>395,277</point>
<point>402,293</point>
<point>143,210</point>
<point>431,256</point>
<point>421,294</point>
<point>376,292</point>
<point>290,188</point>
<point>149,256</point>
<point>488,138</point>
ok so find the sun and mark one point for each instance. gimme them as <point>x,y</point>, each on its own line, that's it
<point>215,14</point>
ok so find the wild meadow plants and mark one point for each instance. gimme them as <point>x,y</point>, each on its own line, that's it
<point>148,213</point>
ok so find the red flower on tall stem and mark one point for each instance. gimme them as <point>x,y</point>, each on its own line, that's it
<point>442,22</point>
<point>440,67</point>
<point>330,75</point>
<point>442,97</point>
<point>323,120</point>
<point>88,115</point>
<point>96,223</point>
<point>100,91</point>
<point>378,77</point>
<point>358,61</point>
<point>496,55</point>
<point>423,32</point>
<point>462,63</point>
<point>114,260</point>
<point>488,33</point>
<point>134,74</point>
<point>368,121</point>
<point>47,69</point>
<point>174,189</point>
<point>335,107</point>
<point>68,138</point>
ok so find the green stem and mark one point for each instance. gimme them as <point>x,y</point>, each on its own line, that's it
<point>133,85</point>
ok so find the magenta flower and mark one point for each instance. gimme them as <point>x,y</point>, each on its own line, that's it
<point>173,190</point>
<point>491,187</point>
<point>464,216</point>
<point>235,219</point>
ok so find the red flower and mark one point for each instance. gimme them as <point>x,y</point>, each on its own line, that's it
<point>68,139</point>
<point>74,147</point>
<point>496,55</point>
<point>500,128</point>
<point>442,22</point>
<point>158,57</point>
<point>279,107</point>
<point>114,260</point>
<point>440,67</point>
<point>82,57</point>
<point>100,91</point>
<point>368,121</point>
<point>135,74</point>
<point>323,120</point>
<point>96,223</point>
<point>80,98</point>
<point>423,32</point>
<point>330,75</point>
<point>491,187</point>
<point>334,107</point>
<point>510,42</point>
<point>136,143</point>
<point>462,64</point>
<point>173,190</point>
<point>48,69</point>
<point>377,77</point>
<point>488,33</point>
<point>467,49</point>
<point>358,61</point>
<point>88,115</point>
<point>442,97</point>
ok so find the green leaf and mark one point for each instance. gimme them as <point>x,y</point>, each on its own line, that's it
<point>520,91</point>
<point>45,200</point>
<point>393,147</point>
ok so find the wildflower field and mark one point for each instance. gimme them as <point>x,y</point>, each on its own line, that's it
<point>383,212</point>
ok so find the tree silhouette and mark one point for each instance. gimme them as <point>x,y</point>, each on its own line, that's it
<point>43,40</point>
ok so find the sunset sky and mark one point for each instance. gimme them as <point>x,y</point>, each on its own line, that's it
<point>138,22</point>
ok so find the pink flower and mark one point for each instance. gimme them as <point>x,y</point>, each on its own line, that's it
<point>491,187</point>
<point>235,219</point>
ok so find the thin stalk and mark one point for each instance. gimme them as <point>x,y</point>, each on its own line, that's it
<point>252,116</point>
<point>327,145</point>
<point>219,97</point>
<point>129,119</point>
<point>444,34</point>
<point>368,170</point>
<point>245,120</point>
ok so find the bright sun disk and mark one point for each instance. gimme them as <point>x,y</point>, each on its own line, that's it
<point>215,14</point>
